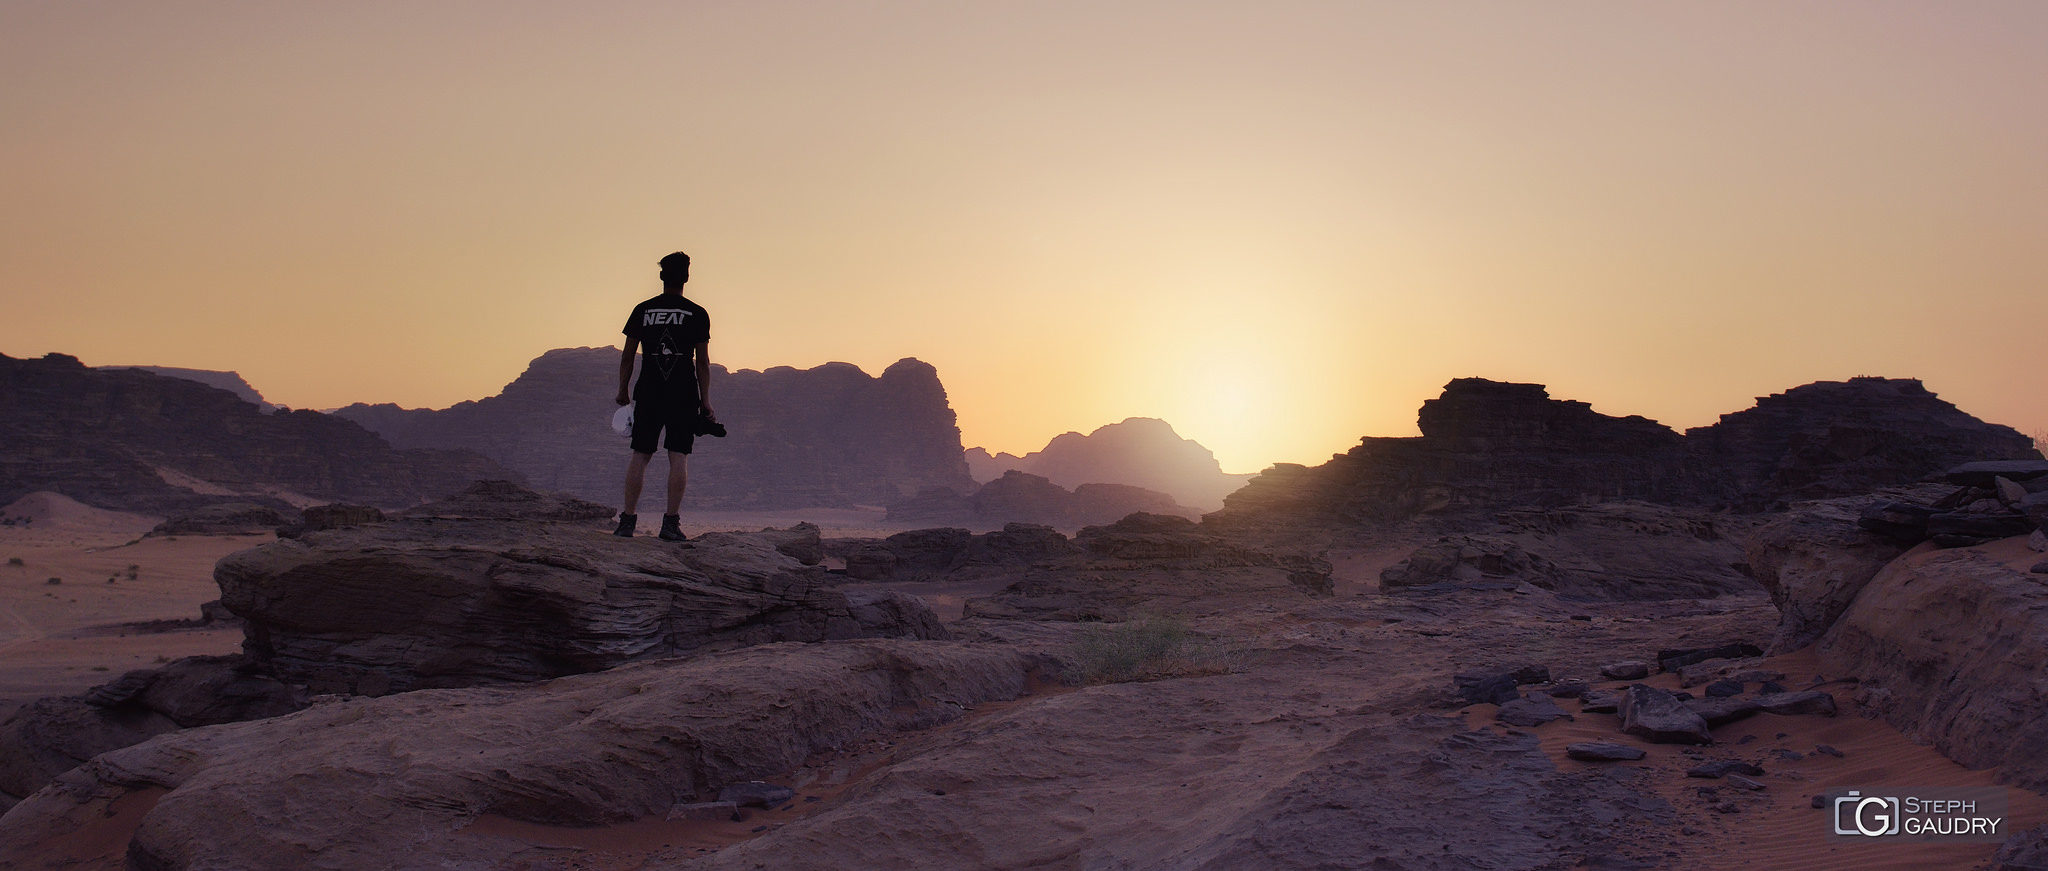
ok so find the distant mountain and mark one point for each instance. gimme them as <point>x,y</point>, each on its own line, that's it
<point>232,382</point>
<point>1488,445</point>
<point>1021,497</point>
<point>827,436</point>
<point>1140,451</point>
<point>133,440</point>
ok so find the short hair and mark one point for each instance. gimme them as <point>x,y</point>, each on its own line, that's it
<point>678,259</point>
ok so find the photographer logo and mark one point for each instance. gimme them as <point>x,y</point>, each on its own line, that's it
<point>1929,814</point>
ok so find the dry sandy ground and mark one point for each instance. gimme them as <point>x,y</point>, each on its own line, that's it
<point>67,637</point>
<point>1313,748</point>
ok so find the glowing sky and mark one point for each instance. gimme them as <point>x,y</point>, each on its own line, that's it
<point>1278,226</point>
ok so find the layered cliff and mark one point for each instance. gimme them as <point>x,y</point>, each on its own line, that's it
<point>827,436</point>
<point>137,441</point>
<point>1488,445</point>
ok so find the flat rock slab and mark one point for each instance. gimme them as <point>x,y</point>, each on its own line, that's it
<point>1722,711</point>
<point>1814,702</point>
<point>1597,751</point>
<point>1659,716</point>
<point>1984,474</point>
<point>1723,768</point>
<point>1625,670</point>
<point>1532,711</point>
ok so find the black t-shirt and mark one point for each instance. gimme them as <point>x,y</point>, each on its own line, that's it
<point>669,327</point>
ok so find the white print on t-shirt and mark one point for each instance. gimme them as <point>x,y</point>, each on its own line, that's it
<point>653,316</point>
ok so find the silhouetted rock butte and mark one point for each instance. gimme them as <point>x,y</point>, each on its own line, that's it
<point>1488,445</point>
<point>829,436</point>
<point>137,441</point>
<point>419,602</point>
<point>1141,452</point>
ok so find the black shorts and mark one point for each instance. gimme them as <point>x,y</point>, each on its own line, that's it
<point>652,416</point>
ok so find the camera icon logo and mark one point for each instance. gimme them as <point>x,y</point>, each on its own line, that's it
<point>1868,815</point>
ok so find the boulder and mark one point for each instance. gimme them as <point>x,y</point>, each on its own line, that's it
<point>1951,647</point>
<point>1813,702</point>
<point>1814,560</point>
<point>894,614</point>
<point>1659,716</point>
<point>1627,669</point>
<point>423,602</point>
<point>1721,711</point>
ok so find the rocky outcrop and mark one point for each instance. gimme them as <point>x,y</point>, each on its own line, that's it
<point>830,436</point>
<point>1994,500</point>
<point>1952,648</point>
<point>1616,551</point>
<point>225,518</point>
<point>507,500</point>
<point>1487,445</point>
<point>136,441</point>
<point>1840,438</point>
<point>1018,497</point>
<point>1141,452</point>
<point>50,736</point>
<point>1813,560</point>
<point>383,783</point>
<point>427,602</point>
<point>232,382</point>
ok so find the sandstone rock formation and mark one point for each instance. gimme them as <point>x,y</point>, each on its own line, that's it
<point>830,436</point>
<point>1608,551</point>
<point>1141,452</point>
<point>162,444</point>
<point>1814,559</point>
<point>223,518</point>
<point>1018,497</point>
<point>1952,648</point>
<point>931,554</point>
<point>621,745</point>
<point>425,602</point>
<point>1487,445</point>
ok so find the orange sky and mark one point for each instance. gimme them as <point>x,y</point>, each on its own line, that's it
<point>1279,226</point>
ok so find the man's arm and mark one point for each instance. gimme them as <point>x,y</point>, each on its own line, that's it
<point>626,370</point>
<point>704,378</point>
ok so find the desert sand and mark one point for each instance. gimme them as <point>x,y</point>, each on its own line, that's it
<point>104,617</point>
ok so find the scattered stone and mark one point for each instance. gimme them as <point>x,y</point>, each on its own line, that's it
<point>1567,689</point>
<point>2039,568</point>
<point>1788,755</point>
<point>1723,767</point>
<point>1828,750</point>
<point>2038,542</point>
<point>1626,670</point>
<point>1728,807</point>
<point>1723,710</point>
<point>1820,800</point>
<point>1659,716</point>
<point>1600,701</point>
<point>1597,751</point>
<point>1771,686</point>
<point>1682,696</point>
<point>1796,704</point>
<point>756,793</point>
<point>1530,712</point>
<point>1498,689</point>
<point>1723,688</point>
<point>1744,782</point>
<point>2008,492</point>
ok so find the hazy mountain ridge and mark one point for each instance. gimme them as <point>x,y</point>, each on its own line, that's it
<point>134,440</point>
<point>230,381</point>
<point>829,436</point>
<point>1140,451</point>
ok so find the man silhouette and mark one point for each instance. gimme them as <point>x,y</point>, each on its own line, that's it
<point>673,390</point>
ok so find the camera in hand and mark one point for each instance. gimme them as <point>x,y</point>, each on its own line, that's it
<point>707,426</point>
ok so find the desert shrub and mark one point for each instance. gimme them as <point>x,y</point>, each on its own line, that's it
<point>15,561</point>
<point>1148,648</point>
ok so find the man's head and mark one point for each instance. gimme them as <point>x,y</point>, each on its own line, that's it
<point>675,270</point>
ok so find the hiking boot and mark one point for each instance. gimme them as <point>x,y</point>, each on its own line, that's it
<point>626,524</point>
<point>672,528</point>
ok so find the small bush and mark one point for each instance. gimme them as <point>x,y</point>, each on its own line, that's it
<point>1148,648</point>
<point>15,561</point>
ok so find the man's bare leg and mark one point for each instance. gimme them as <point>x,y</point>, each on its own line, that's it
<point>636,469</point>
<point>678,479</point>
